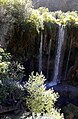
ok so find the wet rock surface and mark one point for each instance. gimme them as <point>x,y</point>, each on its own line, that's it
<point>68,94</point>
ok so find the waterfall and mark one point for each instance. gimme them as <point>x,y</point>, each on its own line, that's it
<point>58,57</point>
<point>49,57</point>
<point>40,53</point>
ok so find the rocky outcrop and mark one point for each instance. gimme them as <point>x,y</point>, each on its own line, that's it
<point>71,111</point>
<point>54,5</point>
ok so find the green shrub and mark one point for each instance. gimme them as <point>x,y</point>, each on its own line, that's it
<point>4,63</point>
<point>10,73</point>
<point>41,101</point>
<point>55,115</point>
<point>9,69</point>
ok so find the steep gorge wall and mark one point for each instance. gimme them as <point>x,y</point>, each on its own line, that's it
<point>53,5</point>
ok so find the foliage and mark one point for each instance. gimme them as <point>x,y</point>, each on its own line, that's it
<point>4,62</point>
<point>10,72</point>
<point>13,14</point>
<point>41,17</point>
<point>68,18</point>
<point>17,10</point>
<point>21,12</point>
<point>55,115</point>
<point>9,69</point>
<point>41,101</point>
<point>28,22</point>
<point>36,20</point>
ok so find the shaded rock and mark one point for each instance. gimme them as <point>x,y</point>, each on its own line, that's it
<point>71,111</point>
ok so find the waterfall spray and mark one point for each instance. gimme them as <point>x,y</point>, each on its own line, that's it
<point>40,53</point>
<point>57,66</point>
<point>58,55</point>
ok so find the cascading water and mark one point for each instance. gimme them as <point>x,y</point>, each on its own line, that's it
<point>56,76</point>
<point>40,54</point>
<point>49,57</point>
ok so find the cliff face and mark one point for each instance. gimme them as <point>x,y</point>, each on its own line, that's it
<point>53,5</point>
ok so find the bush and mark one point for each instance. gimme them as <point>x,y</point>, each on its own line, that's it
<point>4,64</point>
<point>9,69</point>
<point>41,101</point>
<point>10,73</point>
